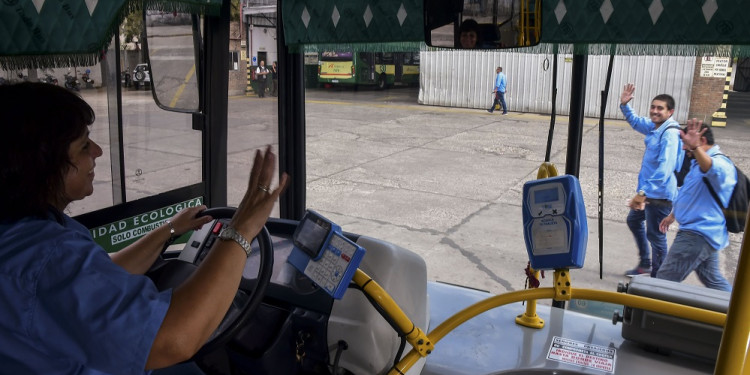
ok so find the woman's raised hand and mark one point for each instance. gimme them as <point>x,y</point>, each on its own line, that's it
<point>259,197</point>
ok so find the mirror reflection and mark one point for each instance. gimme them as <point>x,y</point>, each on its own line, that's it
<point>171,51</point>
<point>482,24</point>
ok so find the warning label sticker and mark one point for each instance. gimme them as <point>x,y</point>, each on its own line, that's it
<point>582,354</point>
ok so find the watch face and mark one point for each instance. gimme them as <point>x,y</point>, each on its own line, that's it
<point>226,233</point>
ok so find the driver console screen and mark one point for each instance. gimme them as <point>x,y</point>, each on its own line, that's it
<point>311,235</point>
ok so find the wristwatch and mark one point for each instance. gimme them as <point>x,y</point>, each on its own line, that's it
<point>229,233</point>
<point>642,193</point>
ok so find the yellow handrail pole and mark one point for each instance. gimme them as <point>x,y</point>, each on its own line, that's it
<point>462,316</point>
<point>530,318</point>
<point>735,342</point>
<point>414,335</point>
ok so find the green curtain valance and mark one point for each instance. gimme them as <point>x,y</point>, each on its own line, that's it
<point>625,27</point>
<point>54,33</point>
<point>352,21</point>
<point>648,27</point>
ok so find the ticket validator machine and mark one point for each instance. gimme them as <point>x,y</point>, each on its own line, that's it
<point>324,255</point>
<point>554,223</point>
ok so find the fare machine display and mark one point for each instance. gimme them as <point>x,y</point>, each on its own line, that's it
<point>324,255</point>
<point>554,223</point>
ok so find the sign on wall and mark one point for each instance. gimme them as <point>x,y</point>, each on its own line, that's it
<point>715,67</point>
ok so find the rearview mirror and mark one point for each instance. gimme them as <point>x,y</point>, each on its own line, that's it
<point>482,24</point>
<point>172,51</point>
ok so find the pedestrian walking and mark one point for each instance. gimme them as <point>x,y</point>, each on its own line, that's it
<point>275,80</point>
<point>703,232</point>
<point>260,74</point>
<point>499,91</point>
<point>657,183</point>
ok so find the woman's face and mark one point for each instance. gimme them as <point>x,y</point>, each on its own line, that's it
<point>468,39</point>
<point>79,181</point>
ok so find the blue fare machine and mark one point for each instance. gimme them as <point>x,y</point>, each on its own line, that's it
<point>554,223</point>
<point>324,255</point>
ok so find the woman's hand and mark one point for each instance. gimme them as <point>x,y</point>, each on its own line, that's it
<point>259,198</point>
<point>187,220</point>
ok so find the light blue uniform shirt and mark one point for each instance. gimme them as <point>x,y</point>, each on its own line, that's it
<point>66,308</point>
<point>696,209</point>
<point>661,157</point>
<point>500,82</point>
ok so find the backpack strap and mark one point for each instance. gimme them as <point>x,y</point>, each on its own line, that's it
<point>665,130</point>
<point>710,188</point>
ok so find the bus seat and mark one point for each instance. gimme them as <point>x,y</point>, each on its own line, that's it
<point>489,35</point>
<point>372,343</point>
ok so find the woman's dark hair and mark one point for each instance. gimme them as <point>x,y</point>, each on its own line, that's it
<point>38,122</point>
<point>469,25</point>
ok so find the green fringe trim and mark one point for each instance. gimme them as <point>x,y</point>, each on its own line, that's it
<point>93,56</point>
<point>48,61</point>
<point>644,49</point>
<point>631,49</point>
<point>359,47</point>
<point>209,8</point>
<point>548,48</point>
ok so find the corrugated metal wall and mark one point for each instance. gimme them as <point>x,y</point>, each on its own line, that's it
<point>465,78</point>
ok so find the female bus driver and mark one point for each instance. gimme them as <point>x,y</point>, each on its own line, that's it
<point>67,307</point>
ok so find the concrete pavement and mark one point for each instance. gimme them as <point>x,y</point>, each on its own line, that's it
<point>443,182</point>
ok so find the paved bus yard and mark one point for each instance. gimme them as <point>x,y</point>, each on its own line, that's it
<point>446,182</point>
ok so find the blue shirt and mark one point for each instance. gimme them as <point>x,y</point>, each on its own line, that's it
<point>660,159</point>
<point>500,82</point>
<point>696,209</point>
<point>66,308</point>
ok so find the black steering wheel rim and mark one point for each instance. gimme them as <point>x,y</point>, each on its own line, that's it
<point>228,329</point>
<point>243,307</point>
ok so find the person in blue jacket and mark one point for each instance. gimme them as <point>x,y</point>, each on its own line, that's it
<point>69,307</point>
<point>499,90</point>
<point>703,230</point>
<point>657,183</point>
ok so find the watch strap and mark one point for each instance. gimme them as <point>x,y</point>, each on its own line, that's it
<point>229,233</point>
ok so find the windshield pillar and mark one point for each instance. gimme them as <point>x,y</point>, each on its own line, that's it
<point>577,114</point>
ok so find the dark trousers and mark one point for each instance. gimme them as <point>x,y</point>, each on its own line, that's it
<point>275,87</point>
<point>262,87</point>
<point>499,99</point>
<point>644,224</point>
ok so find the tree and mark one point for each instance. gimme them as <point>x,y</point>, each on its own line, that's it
<point>235,11</point>
<point>131,28</point>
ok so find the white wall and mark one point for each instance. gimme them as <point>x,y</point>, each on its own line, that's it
<point>465,78</point>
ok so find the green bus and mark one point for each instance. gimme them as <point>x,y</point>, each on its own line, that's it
<point>368,68</point>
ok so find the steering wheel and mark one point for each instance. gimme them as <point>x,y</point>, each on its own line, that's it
<point>171,273</point>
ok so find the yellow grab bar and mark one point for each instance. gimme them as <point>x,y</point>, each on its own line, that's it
<point>670,308</point>
<point>414,335</point>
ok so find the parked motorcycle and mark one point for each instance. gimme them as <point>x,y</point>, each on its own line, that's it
<point>71,82</point>
<point>49,78</point>
<point>87,79</point>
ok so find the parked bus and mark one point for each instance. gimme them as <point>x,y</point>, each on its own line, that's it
<point>369,68</point>
<point>183,146</point>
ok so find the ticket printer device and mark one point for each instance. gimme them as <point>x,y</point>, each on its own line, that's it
<point>555,228</point>
<point>324,254</point>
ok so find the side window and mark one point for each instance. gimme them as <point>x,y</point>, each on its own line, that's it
<point>387,58</point>
<point>234,60</point>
